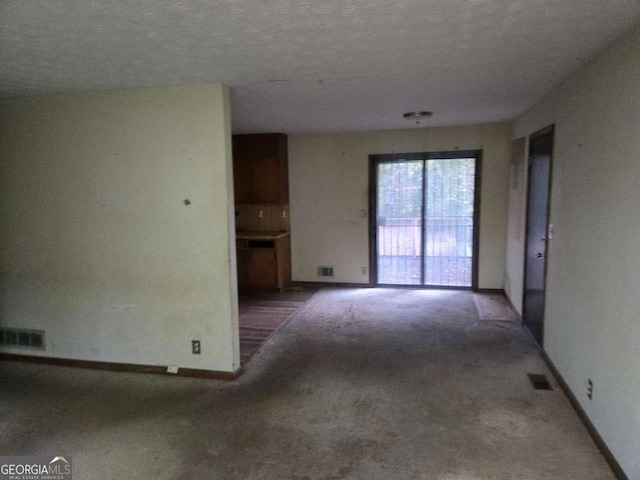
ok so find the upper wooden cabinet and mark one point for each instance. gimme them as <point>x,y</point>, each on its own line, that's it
<point>260,168</point>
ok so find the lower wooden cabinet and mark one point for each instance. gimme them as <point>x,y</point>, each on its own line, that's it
<point>242,265</point>
<point>264,263</point>
<point>263,267</point>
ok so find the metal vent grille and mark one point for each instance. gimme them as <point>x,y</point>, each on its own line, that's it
<point>325,271</point>
<point>539,382</point>
<point>13,337</point>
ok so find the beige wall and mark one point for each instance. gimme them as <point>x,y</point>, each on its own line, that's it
<point>97,246</point>
<point>592,328</point>
<point>514,268</point>
<point>328,178</point>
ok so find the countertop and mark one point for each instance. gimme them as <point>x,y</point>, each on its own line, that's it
<point>251,235</point>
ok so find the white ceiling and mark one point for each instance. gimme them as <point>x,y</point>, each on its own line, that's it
<point>314,65</point>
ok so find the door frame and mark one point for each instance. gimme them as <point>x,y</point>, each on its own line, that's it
<point>374,161</point>
<point>543,131</point>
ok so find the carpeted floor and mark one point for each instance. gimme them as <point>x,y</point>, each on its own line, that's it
<point>359,384</point>
<point>493,306</point>
<point>262,312</point>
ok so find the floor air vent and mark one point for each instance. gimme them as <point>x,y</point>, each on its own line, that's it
<point>325,271</point>
<point>13,337</point>
<point>539,382</point>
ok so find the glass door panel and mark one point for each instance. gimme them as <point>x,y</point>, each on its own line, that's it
<point>448,247</point>
<point>424,230</point>
<point>399,222</point>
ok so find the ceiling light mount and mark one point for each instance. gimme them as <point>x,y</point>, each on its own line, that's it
<point>418,115</point>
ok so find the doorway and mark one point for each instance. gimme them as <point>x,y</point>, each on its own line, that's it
<point>424,210</point>
<point>538,232</point>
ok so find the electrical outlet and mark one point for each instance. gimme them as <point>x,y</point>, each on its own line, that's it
<point>172,369</point>
<point>589,388</point>
<point>260,214</point>
<point>283,213</point>
<point>363,270</point>
<point>195,347</point>
<point>363,213</point>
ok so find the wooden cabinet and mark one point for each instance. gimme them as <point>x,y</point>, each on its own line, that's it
<point>260,168</point>
<point>263,267</point>
<point>261,178</point>
<point>264,262</point>
<point>242,264</point>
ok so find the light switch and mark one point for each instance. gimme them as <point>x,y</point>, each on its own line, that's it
<point>550,231</point>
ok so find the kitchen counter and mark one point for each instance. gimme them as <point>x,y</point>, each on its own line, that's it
<point>250,235</point>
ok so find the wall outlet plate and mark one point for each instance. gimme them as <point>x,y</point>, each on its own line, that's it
<point>172,369</point>
<point>195,347</point>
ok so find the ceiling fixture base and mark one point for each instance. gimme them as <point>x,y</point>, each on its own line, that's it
<point>419,115</point>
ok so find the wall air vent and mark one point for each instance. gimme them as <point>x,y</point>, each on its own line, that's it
<point>539,382</point>
<point>14,337</point>
<point>325,271</point>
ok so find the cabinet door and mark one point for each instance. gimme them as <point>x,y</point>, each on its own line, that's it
<point>283,155</point>
<point>242,170</point>
<point>243,268</point>
<point>260,168</point>
<point>266,180</point>
<point>262,268</point>
<point>283,247</point>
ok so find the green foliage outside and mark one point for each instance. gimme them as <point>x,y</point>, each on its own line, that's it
<point>449,186</point>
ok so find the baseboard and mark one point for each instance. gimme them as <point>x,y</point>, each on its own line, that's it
<point>497,291</point>
<point>512,306</point>
<point>399,287</point>
<point>329,284</point>
<point>123,367</point>
<point>593,432</point>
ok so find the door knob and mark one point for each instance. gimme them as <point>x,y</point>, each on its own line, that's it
<point>541,254</point>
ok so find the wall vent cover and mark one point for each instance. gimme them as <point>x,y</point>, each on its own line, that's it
<point>539,382</point>
<point>14,337</point>
<point>325,271</point>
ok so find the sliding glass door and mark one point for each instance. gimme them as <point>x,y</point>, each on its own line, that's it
<point>425,209</point>
<point>400,212</point>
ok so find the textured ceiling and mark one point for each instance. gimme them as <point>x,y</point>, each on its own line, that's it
<point>314,65</point>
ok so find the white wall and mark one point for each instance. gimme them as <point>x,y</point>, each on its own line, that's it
<point>97,246</point>
<point>592,326</point>
<point>329,186</point>
<point>516,223</point>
